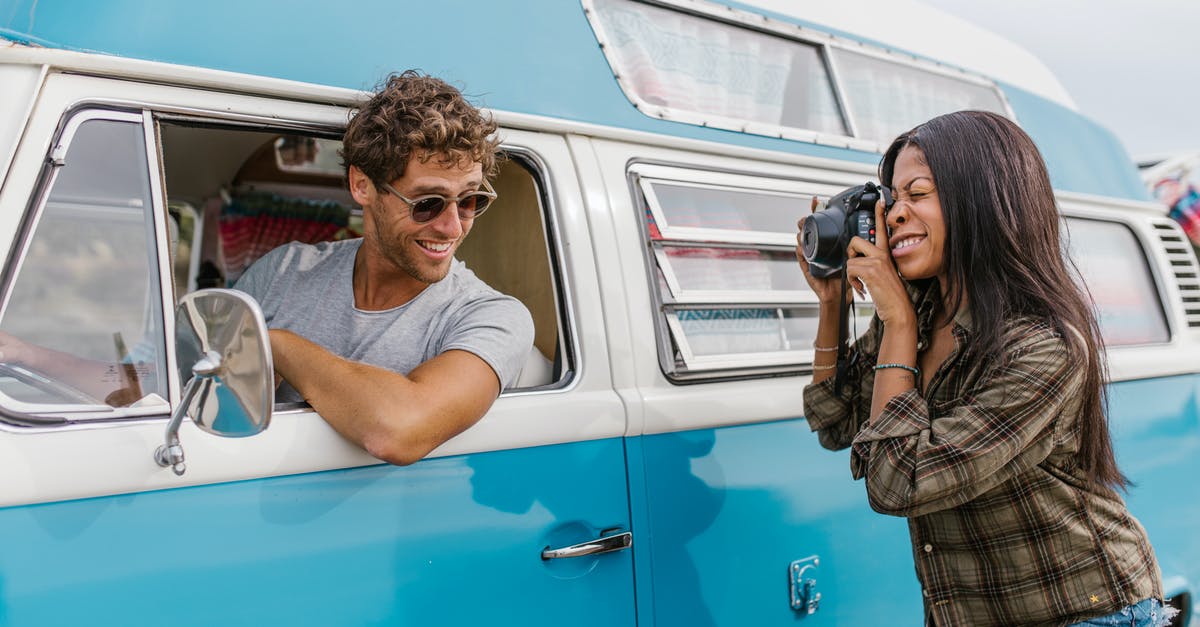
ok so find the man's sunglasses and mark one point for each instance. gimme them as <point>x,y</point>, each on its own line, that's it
<point>430,206</point>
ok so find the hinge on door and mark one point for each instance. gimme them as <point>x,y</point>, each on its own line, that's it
<point>805,598</point>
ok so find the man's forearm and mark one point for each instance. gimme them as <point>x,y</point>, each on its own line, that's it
<point>394,417</point>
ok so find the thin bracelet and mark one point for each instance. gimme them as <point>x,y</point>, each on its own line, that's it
<point>916,373</point>
<point>818,368</point>
<point>824,349</point>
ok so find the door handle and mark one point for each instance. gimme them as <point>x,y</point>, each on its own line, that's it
<point>607,544</point>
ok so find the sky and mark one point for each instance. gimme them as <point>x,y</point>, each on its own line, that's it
<point>1131,65</point>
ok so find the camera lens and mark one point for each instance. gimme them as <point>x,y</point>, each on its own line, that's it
<point>821,241</point>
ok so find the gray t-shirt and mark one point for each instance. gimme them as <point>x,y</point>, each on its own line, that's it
<point>308,289</point>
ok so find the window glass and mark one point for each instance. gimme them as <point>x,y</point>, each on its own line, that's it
<point>739,331</point>
<point>731,295</point>
<point>888,98</point>
<point>690,63</point>
<point>1114,269</point>
<point>688,206</point>
<point>732,269</point>
<point>83,323</point>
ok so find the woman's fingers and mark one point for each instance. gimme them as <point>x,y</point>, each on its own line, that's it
<point>881,229</point>
<point>860,247</point>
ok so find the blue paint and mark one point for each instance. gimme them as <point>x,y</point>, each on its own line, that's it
<point>1081,155</point>
<point>450,541</point>
<point>729,509</point>
<point>1156,430</point>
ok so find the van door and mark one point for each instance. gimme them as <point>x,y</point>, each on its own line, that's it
<point>749,520</point>
<point>294,526</point>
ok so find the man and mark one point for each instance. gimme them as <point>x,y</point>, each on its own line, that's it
<point>394,342</point>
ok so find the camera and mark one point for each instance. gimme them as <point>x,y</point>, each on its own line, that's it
<point>848,214</point>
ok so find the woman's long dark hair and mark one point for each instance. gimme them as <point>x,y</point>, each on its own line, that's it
<point>1003,252</point>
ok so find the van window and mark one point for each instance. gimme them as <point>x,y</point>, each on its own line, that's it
<point>732,298</point>
<point>690,63</point>
<point>82,329</point>
<point>728,68</point>
<point>887,98</point>
<point>1116,272</point>
<point>254,190</point>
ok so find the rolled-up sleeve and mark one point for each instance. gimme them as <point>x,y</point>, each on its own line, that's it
<point>919,458</point>
<point>837,417</point>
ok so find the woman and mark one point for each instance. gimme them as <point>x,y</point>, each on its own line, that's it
<point>975,400</point>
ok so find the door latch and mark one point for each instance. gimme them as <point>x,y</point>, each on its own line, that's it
<point>802,575</point>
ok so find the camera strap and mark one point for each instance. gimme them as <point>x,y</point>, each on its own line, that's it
<point>843,357</point>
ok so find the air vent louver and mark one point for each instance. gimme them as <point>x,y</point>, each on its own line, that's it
<point>1184,268</point>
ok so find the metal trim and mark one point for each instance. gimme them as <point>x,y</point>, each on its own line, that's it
<point>166,283</point>
<point>573,363</point>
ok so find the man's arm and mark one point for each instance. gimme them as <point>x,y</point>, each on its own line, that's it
<point>396,418</point>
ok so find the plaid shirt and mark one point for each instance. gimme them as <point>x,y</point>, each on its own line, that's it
<point>1005,528</point>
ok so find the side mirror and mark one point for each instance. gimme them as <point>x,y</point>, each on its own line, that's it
<point>223,352</point>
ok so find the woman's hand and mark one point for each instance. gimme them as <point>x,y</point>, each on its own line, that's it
<point>870,267</point>
<point>829,289</point>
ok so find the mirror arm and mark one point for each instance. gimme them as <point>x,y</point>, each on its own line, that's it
<point>171,453</point>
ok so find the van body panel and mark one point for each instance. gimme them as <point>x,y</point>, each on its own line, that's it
<point>21,83</point>
<point>365,546</point>
<point>731,508</point>
<point>1156,431</point>
<point>33,457</point>
<point>1093,161</point>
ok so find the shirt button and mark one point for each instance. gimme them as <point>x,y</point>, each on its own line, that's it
<point>929,548</point>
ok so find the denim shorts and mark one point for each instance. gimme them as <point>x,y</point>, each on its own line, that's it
<point>1148,613</point>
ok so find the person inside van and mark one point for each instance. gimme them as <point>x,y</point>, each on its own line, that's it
<point>974,404</point>
<point>393,341</point>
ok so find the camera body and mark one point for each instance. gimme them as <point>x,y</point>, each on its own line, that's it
<point>848,214</point>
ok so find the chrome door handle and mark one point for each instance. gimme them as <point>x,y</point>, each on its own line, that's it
<point>607,544</point>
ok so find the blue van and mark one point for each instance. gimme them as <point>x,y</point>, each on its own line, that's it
<point>653,467</point>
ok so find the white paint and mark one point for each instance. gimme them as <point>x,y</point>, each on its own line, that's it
<point>920,29</point>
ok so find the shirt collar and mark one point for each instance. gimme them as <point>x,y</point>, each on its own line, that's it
<point>926,296</point>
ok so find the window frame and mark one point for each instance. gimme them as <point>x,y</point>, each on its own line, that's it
<point>17,413</point>
<point>824,44</point>
<point>528,157</point>
<point>1151,270</point>
<point>641,176</point>
<point>148,116</point>
<point>568,345</point>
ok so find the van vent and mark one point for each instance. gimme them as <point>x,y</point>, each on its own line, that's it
<point>1183,267</point>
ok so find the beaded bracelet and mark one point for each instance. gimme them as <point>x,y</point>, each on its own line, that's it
<point>829,367</point>
<point>916,373</point>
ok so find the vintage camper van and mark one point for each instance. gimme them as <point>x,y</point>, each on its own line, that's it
<point>654,466</point>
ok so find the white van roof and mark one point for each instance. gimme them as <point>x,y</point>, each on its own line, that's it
<point>906,25</point>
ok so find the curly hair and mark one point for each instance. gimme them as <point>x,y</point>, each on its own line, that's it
<point>417,115</point>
